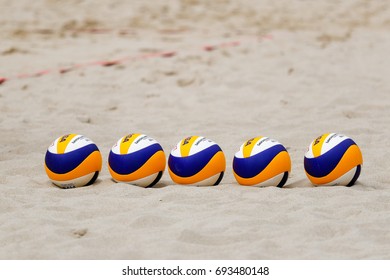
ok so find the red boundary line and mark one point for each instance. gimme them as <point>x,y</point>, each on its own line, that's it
<point>108,63</point>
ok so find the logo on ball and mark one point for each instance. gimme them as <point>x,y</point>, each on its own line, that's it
<point>333,159</point>
<point>73,161</point>
<point>263,162</point>
<point>196,160</point>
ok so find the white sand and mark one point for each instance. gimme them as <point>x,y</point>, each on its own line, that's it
<point>325,70</point>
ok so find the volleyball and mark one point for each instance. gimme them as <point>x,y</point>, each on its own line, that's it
<point>73,161</point>
<point>196,160</point>
<point>333,159</point>
<point>137,159</point>
<point>261,161</point>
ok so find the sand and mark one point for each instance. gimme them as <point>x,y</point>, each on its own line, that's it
<point>299,69</point>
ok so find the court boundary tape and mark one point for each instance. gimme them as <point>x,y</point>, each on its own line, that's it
<point>124,60</point>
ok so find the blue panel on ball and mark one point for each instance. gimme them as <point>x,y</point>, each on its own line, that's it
<point>356,176</point>
<point>251,166</point>
<point>322,165</point>
<point>128,163</point>
<point>191,165</point>
<point>64,163</point>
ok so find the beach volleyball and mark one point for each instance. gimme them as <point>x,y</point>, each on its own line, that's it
<point>73,161</point>
<point>196,160</point>
<point>333,159</point>
<point>261,161</point>
<point>137,159</point>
